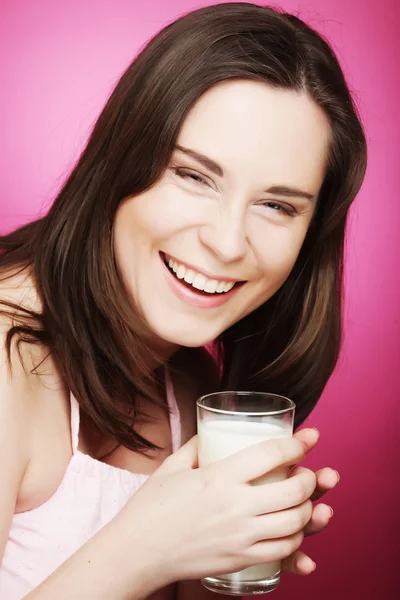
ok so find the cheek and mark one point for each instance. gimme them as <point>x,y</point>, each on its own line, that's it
<point>157,214</point>
<point>276,255</point>
<point>279,264</point>
<point>277,248</point>
<point>139,227</point>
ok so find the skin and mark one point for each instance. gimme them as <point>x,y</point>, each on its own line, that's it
<point>229,224</point>
<point>327,479</point>
<point>233,229</point>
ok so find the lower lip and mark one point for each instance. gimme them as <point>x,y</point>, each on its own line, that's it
<point>192,297</point>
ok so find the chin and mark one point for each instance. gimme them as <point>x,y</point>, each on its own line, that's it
<point>195,337</point>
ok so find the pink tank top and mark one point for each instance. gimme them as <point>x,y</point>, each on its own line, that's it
<point>90,494</point>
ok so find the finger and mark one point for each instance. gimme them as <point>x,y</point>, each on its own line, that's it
<point>281,524</point>
<point>327,479</point>
<point>268,551</point>
<point>308,436</point>
<point>281,495</point>
<point>185,457</point>
<point>320,517</point>
<point>256,460</point>
<point>298,563</point>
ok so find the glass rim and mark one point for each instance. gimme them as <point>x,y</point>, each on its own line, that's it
<point>263,413</point>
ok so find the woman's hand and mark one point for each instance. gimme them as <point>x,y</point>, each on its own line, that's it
<point>298,562</point>
<point>191,522</point>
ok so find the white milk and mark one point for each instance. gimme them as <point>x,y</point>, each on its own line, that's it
<point>220,438</point>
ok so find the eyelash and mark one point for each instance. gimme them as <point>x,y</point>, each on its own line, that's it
<point>183,173</point>
<point>288,210</point>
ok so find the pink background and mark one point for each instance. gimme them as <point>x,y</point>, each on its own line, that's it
<point>59,63</point>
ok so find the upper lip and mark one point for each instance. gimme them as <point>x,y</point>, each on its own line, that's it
<point>202,271</point>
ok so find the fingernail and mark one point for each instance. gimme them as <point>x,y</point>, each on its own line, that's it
<point>331,509</point>
<point>338,476</point>
<point>317,430</point>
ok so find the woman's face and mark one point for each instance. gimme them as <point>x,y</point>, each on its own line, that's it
<point>221,230</point>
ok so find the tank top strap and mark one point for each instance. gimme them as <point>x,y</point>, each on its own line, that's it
<point>75,419</point>
<point>175,418</point>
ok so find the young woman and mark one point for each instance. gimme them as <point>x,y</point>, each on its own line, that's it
<point>208,207</point>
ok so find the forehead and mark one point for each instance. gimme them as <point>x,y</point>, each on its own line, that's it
<point>251,129</point>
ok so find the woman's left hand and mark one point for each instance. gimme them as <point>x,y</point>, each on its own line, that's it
<point>299,563</point>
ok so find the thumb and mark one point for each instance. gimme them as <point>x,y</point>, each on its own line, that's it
<point>184,458</point>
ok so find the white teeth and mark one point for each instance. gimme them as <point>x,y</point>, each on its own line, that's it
<point>198,280</point>
<point>228,286</point>
<point>181,272</point>
<point>189,276</point>
<point>211,286</point>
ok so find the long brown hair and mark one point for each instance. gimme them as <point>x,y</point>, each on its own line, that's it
<point>290,345</point>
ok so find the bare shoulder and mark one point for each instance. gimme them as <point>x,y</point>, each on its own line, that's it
<point>15,416</point>
<point>18,301</point>
<point>196,375</point>
<point>16,413</point>
<point>16,289</point>
<point>32,401</point>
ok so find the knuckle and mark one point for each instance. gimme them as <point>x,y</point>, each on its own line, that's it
<point>292,448</point>
<point>297,447</point>
<point>170,460</point>
<point>304,515</point>
<point>287,547</point>
<point>312,481</point>
<point>296,521</point>
<point>300,516</point>
<point>282,450</point>
<point>207,478</point>
<point>272,450</point>
<point>294,542</point>
<point>308,508</point>
<point>298,490</point>
<point>167,465</point>
<point>308,484</point>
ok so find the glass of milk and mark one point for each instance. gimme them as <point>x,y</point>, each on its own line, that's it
<point>228,422</point>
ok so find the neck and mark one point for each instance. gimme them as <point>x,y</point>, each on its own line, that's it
<point>159,352</point>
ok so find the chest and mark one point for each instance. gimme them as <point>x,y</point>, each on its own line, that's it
<point>164,428</point>
<point>52,451</point>
<point>158,431</point>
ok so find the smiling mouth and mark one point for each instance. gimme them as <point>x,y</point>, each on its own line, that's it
<point>196,281</point>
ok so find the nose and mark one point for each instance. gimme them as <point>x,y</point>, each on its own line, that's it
<point>225,236</point>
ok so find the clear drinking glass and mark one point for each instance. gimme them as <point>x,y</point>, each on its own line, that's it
<point>228,422</point>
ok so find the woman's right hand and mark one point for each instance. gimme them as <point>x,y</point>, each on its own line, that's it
<point>192,522</point>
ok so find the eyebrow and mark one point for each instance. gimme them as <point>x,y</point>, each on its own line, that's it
<point>214,167</point>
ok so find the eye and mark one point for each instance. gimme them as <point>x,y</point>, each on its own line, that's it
<point>280,208</point>
<point>185,174</point>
